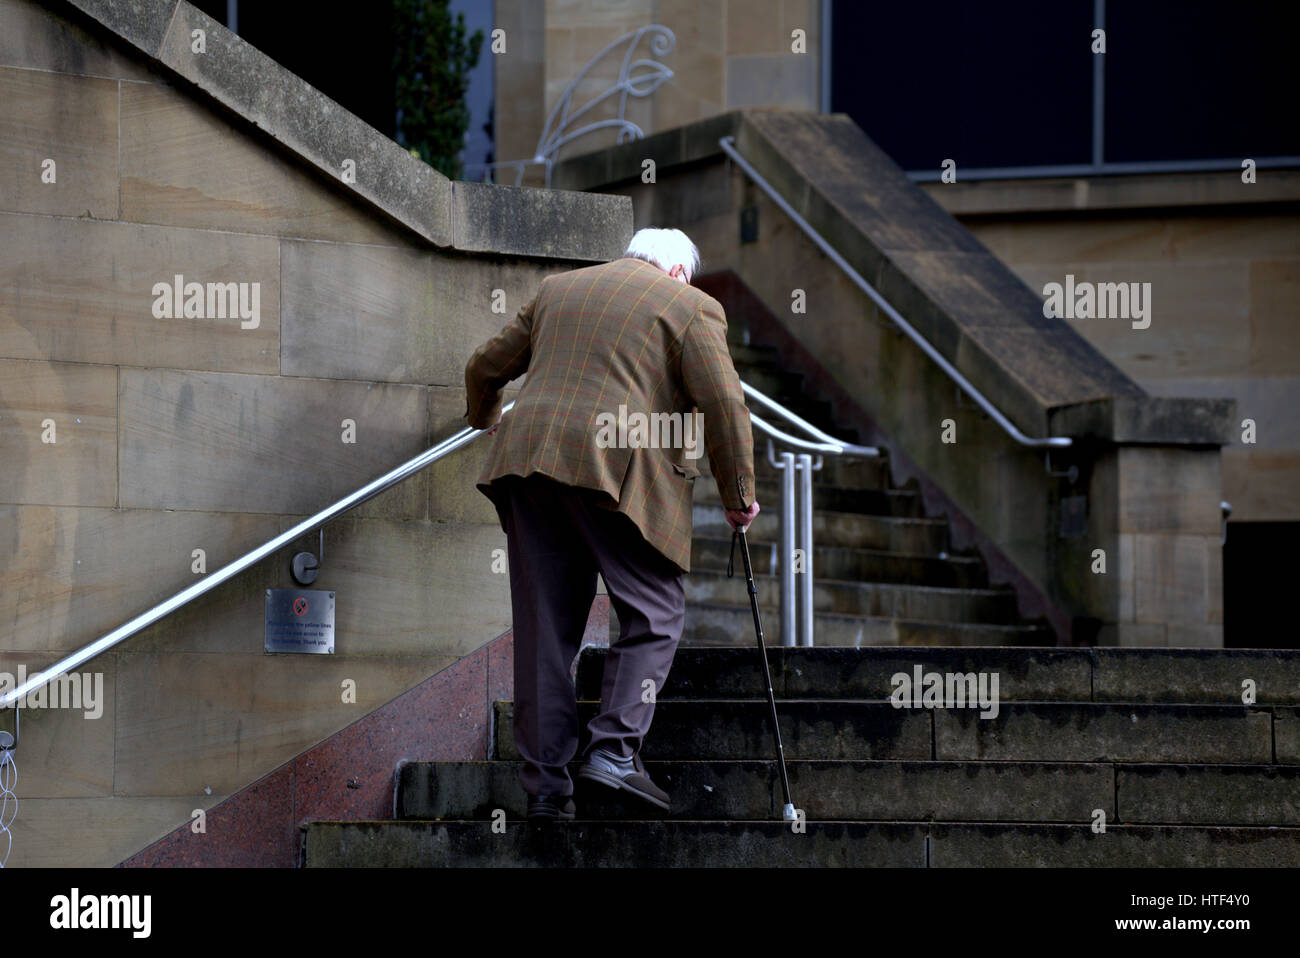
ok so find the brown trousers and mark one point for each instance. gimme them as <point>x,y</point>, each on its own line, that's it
<point>558,539</point>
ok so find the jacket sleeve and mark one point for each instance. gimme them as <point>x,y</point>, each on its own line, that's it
<point>502,358</point>
<point>711,383</point>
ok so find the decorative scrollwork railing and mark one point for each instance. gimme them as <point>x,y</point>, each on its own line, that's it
<point>636,77</point>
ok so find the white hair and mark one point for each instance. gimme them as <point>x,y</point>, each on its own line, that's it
<point>665,249</point>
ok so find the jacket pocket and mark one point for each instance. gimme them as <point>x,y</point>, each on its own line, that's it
<point>689,470</point>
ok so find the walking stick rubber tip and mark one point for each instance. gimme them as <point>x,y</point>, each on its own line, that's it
<point>790,814</point>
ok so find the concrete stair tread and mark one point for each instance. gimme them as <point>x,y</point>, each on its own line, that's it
<point>715,822</point>
<point>1090,732</point>
<point>709,490</point>
<point>1017,627</point>
<point>857,843</point>
<point>984,591</point>
<point>946,557</point>
<point>855,597</point>
<point>887,790</point>
<point>853,702</point>
<point>825,496</point>
<point>888,627</point>
<point>652,763</point>
<point>744,353</point>
<point>840,514</point>
<point>1040,672</point>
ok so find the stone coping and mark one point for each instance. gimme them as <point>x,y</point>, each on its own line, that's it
<point>476,217</point>
<point>1039,371</point>
<point>1212,191</point>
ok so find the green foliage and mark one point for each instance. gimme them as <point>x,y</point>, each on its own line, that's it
<point>431,65</point>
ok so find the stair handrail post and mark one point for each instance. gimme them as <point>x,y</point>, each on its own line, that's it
<point>789,619</point>
<point>805,469</point>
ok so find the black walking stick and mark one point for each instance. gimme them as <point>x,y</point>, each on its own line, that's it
<point>789,813</point>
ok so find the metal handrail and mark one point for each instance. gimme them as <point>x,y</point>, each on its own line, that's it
<point>1053,442</point>
<point>69,662</point>
<point>796,526</point>
<point>825,442</point>
<point>310,524</point>
<point>788,439</point>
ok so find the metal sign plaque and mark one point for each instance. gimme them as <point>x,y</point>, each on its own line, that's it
<point>299,620</point>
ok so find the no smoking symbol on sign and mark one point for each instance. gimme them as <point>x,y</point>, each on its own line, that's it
<point>299,606</point>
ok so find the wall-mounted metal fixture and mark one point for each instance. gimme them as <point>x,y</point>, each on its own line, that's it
<point>306,566</point>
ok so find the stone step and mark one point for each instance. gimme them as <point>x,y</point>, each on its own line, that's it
<point>1209,794</point>
<point>1198,675</point>
<point>869,501</point>
<point>876,599</point>
<point>653,844</point>
<point>785,387</point>
<point>635,844</point>
<point>741,729</point>
<point>830,729</point>
<point>710,624</point>
<point>850,472</point>
<point>885,791</point>
<point>907,534</point>
<point>840,562</point>
<point>1174,676</point>
<point>1031,674</point>
<point>745,354</point>
<point>847,472</point>
<point>1120,846</point>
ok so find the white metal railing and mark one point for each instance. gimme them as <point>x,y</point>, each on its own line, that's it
<point>796,517</point>
<point>210,582</point>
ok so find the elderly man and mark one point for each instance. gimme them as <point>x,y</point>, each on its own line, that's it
<point>602,344</point>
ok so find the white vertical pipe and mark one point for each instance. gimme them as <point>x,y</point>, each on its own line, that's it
<point>806,544</point>
<point>788,519</point>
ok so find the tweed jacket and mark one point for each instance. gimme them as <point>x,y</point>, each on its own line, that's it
<point>600,345</point>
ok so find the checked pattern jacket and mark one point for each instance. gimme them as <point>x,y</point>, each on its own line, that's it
<point>620,334</point>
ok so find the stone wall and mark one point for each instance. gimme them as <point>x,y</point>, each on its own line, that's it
<point>172,435</point>
<point>1223,260</point>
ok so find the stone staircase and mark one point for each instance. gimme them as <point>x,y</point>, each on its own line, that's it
<point>1095,757</point>
<point>1154,745</point>
<point>885,573</point>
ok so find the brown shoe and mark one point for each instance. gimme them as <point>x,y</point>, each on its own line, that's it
<point>625,774</point>
<point>550,807</point>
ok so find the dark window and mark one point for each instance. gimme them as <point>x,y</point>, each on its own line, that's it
<point>1011,83</point>
<point>1201,79</point>
<point>1006,84</point>
<point>1259,586</point>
